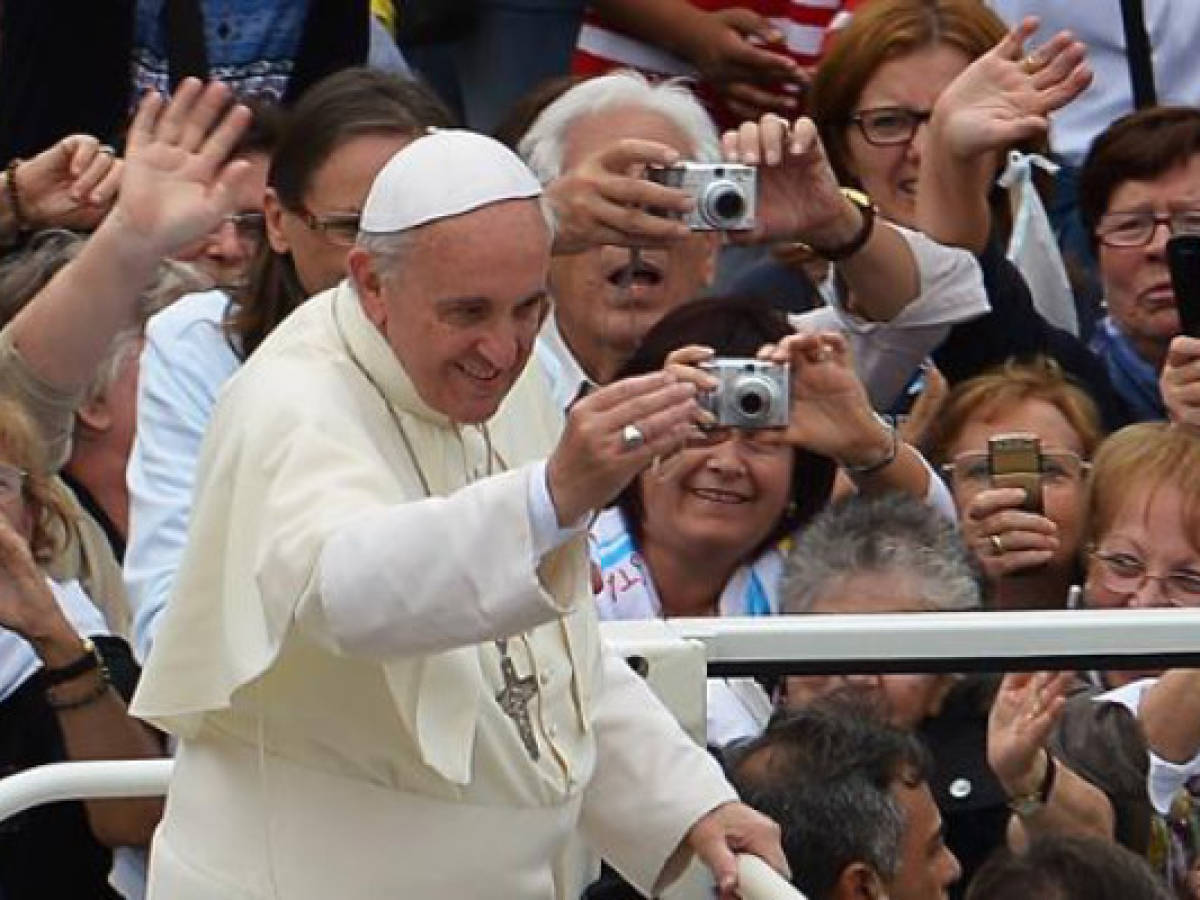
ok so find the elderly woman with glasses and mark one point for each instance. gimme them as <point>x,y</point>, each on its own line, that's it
<point>1136,735</point>
<point>1030,559</point>
<point>1139,185</point>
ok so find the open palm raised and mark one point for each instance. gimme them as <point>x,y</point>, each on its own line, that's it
<point>179,181</point>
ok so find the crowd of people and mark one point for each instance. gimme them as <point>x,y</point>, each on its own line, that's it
<point>357,362</point>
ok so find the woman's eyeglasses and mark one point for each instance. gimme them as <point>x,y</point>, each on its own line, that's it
<point>973,471</point>
<point>1125,574</point>
<point>250,227</point>
<point>1138,227</point>
<point>886,126</point>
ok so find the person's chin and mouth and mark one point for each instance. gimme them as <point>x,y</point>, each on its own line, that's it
<point>635,283</point>
<point>485,387</point>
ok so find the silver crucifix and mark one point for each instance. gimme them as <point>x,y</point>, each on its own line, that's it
<point>514,699</point>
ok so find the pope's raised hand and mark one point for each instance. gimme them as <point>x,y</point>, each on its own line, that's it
<point>614,433</point>
<point>179,181</point>
<point>604,199</point>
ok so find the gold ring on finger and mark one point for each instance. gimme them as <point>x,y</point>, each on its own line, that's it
<point>1030,64</point>
<point>997,544</point>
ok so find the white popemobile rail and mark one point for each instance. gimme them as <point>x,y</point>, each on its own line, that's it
<point>675,654</point>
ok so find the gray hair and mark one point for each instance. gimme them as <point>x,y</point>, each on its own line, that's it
<point>386,248</point>
<point>544,144</point>
<point>894,533</point>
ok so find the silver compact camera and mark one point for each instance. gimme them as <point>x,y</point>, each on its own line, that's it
<point>751,394</point>
<point>725,193</point>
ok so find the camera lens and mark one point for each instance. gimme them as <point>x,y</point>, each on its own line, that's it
<point>722,204</point>
<point>728,205</point>
<point>751,403</point>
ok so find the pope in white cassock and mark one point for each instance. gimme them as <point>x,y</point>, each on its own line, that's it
<point>381,659</point>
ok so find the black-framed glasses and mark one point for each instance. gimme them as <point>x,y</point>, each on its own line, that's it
<point>886,126</point>
<point>1124,573</point>
<point>12,480</point>
<point>1136,228</point>
<point>339,228</point>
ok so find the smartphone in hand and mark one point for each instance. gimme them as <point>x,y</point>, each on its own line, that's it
<point>1183,259</point>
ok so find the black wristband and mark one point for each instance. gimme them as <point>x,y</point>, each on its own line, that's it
<point>856,243</point>
<point>1047,784</point>
<point>86,663</point>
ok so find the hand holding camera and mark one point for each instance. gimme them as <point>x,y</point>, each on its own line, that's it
<point>829,411</point>
<point>799,197</point>
<point>604,199</point>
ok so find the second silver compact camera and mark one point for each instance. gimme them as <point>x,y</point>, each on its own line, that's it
<point>751,394</point>
<point>725,193</point>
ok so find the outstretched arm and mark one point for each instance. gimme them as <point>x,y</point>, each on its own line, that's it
<point>177,184</point>
<point>800,201</point>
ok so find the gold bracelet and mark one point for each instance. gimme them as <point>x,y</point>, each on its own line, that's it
<point>14,197</point>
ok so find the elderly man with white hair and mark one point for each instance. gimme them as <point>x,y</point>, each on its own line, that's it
<point>382,661</point>
<point>591,146</point>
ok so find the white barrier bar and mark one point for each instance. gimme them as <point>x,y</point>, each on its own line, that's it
<point>932,642</point>
<point>83,781</point>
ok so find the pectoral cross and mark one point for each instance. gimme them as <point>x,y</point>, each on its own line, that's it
<point>514,699</point>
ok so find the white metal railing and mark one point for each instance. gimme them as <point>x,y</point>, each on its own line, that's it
<point>83,781</point>
<point>1156,638</point>
<point>933,642</point>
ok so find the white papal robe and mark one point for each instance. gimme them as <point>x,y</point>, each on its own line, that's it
<point>326,753</point>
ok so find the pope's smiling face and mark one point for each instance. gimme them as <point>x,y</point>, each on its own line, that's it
<point>462,305</point>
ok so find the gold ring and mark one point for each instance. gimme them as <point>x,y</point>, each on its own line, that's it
<point>1030,64</point>
<point>997,544</point>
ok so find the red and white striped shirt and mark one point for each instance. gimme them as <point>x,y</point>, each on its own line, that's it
<point>601,47</point>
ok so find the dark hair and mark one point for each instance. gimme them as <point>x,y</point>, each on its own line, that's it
<point>265,131</point>
<point>825,774</point>
<point>732,326</point>
<point>1138,147</point>
<point>1064,867</point>
<point>1103,743</point>
<point>346,105</point>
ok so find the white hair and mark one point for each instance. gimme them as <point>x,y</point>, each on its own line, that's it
<point>544,144</point>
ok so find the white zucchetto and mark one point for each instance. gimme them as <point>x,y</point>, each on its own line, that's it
<point>444,173</point>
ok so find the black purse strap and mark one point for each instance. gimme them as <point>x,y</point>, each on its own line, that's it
<point>187,53</point>
<point>1137,51</point>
